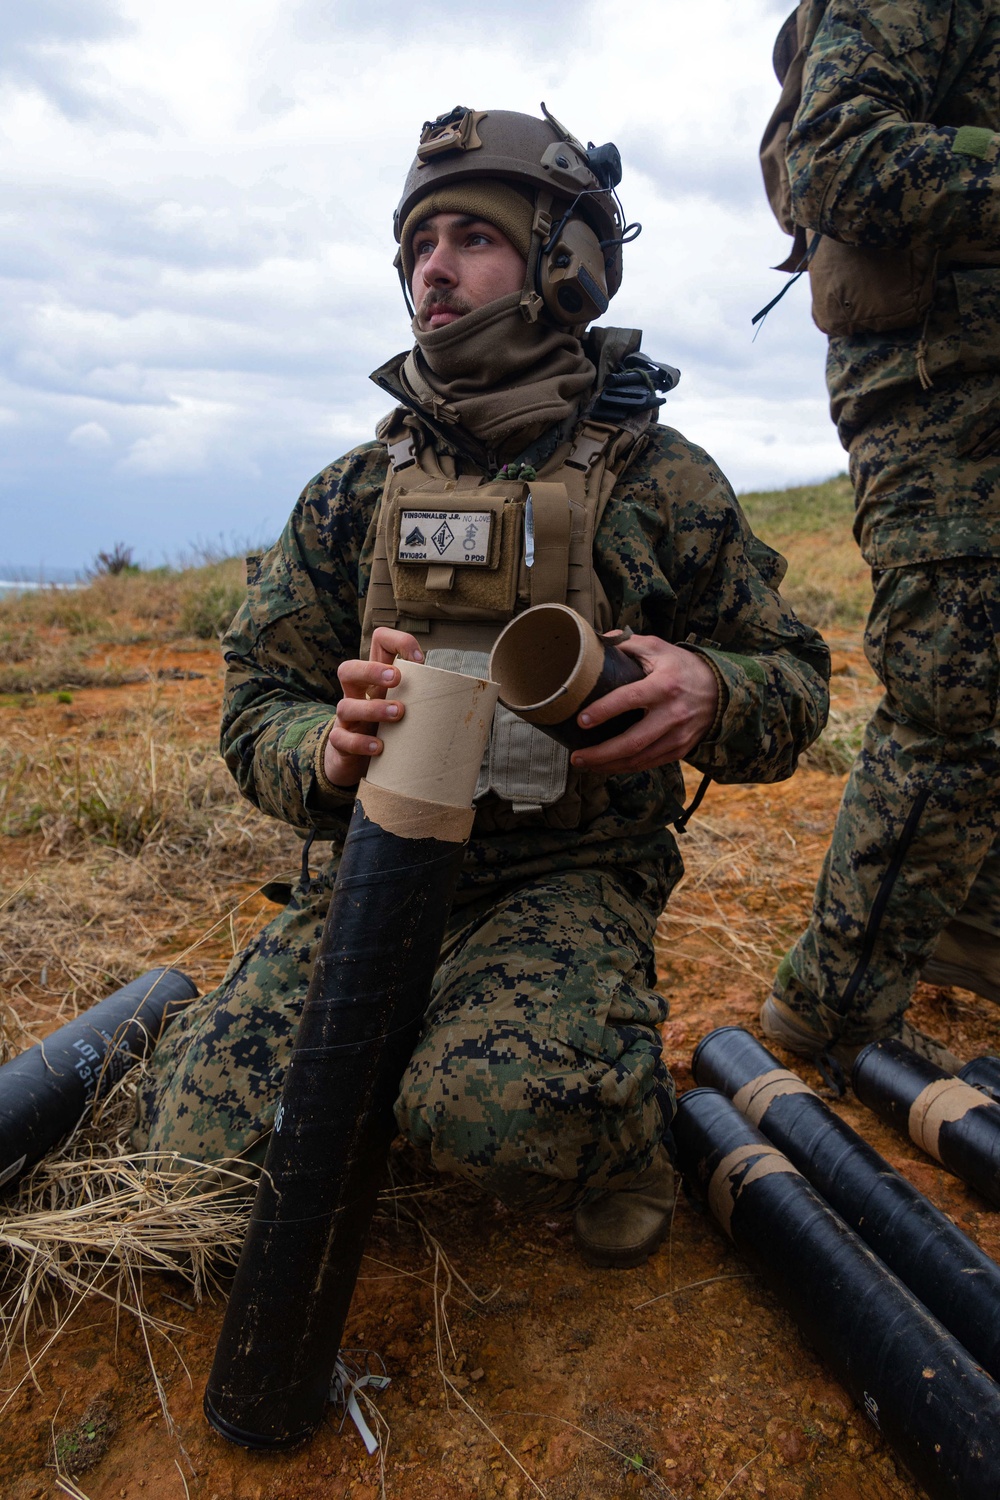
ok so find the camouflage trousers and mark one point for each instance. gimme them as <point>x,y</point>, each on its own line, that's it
<point>915,843</point>
<point>539,1072</point>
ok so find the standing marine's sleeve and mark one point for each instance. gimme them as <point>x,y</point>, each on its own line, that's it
<point>299,622</point>
<point>865,164</point>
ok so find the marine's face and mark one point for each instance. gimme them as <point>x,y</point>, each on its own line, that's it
<point>459,264</point>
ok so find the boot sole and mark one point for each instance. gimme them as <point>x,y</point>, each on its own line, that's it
<point>934,972</point>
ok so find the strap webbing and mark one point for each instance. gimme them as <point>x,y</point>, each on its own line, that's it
<point>551,516</point>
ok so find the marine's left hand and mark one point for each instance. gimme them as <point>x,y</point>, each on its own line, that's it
<point>679,696</point>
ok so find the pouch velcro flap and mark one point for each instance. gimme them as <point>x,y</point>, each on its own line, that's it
<point>454,550</point>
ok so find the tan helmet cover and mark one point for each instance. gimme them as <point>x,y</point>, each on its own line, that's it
<point>540,155</point>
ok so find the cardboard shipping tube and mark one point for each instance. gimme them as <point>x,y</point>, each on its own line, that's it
<point>434,753</point>
<point>953,1122</point>
<point>941,1103</point>
<point>984,1074</point>
<point>47,1090</point>
<point>549,664</point>
<point>950,1275</point>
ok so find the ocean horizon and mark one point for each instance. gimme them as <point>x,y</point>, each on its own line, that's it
<point>28,580</point>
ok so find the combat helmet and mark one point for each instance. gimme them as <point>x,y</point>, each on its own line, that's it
<point>578,229</point>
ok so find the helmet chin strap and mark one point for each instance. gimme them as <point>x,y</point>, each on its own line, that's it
<point>398,263</point>
<point>532,303</point>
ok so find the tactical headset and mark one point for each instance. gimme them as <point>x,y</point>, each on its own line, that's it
<point>575,263</point>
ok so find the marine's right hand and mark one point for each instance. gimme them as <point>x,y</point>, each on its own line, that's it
<point>352,741</point>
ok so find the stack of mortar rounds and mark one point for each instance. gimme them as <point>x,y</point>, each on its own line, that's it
<point>896,1300</point>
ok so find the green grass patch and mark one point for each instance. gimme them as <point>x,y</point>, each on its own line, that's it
<point>211,603</point>
<point>81,1447</point>
<point>806,508</point>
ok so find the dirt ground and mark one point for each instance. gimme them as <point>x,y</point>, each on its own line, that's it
<point>683,1377</point>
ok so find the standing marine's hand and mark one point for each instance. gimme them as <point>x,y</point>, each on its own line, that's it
<point>678,697</point>
<point>352,741</point>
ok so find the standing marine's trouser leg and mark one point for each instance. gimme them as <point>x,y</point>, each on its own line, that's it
<point>539,1074</point>
<point>215,1078</point>
<point>982,905</point>
<point>919,815</point>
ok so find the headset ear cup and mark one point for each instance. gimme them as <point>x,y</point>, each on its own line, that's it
<point>571,278</point>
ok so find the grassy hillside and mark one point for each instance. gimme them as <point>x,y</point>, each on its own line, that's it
<point>827,581</point>
<point>51,639</point>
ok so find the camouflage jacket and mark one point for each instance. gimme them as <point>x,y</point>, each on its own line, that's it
<point>895,145</point>
<point>677,559</point>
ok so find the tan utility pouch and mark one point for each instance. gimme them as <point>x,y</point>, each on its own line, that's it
<point>454,550</point>
<point>856,290</point>
<point>521,764</point>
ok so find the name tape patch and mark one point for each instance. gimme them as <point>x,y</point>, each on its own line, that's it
<point>460,537</point>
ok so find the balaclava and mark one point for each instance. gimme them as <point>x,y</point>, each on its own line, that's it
<point>506,380</point>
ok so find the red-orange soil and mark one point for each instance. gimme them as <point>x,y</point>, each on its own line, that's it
<point>682,1378</point>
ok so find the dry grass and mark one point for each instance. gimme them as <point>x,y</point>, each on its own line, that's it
<point>136,849</point>
<point>92,1220</point>
<point>742,899</point>
<point>51,639</point>
<point>95,1218</point>
<point>151,789</point>
<point>136,831</point>
<point>836,748</point>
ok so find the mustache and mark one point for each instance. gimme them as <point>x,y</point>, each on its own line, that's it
<point>434,301</point>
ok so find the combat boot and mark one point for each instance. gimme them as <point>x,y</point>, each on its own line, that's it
<point>624,1228</point>
<point>792,1031</point>
<point>968,957</point>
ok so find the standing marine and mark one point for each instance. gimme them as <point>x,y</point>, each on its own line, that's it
<point>883,159</point>
<point>539,1074</point>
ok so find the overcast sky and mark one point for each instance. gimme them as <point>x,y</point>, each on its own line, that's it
<point>195,260</point>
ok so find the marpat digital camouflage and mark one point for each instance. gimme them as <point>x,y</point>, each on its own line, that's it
<point>540,1072</point>
<point>894,146</point>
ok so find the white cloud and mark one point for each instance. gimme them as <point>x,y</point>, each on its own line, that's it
<point>90,437</point>
<point>196,248</point>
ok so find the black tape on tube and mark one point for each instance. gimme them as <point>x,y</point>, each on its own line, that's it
<point>46,1090</point>
<point>270,1381</point>
<point>932,1403</point>
<point>949,1119</point>
<point>952,1277</point>
<point>983,1073</point>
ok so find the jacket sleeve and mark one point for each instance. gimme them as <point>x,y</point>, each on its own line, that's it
<point>299,622</point>
<point>865,165</point>
<point>705,581</point>
<point>773,670</point>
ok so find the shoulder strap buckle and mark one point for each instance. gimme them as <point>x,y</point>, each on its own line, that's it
<point>402,453</point>
<point>590,442</point>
